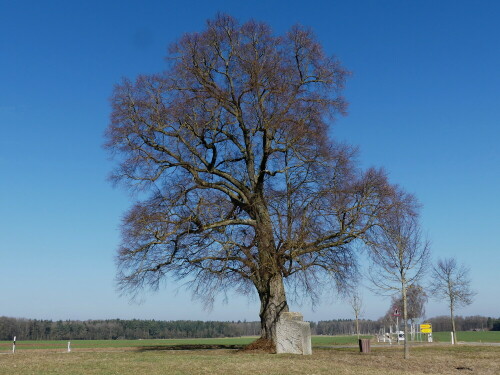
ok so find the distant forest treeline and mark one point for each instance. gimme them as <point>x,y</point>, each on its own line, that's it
<point>32,329</point>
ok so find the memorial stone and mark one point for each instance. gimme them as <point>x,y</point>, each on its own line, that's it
<point>293,335</point>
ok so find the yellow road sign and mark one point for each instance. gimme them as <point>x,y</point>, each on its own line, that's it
<point>425,326</point>
<point>426,330</point>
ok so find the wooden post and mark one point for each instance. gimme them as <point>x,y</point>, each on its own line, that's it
<point>69,346</point>
<point>14,345</point>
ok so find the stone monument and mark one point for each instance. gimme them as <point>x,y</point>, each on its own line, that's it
<point>293,335</point>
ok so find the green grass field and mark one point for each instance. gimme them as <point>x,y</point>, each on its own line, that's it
<point>468,336</point>
<point>336,340</point>
<point>95,344</point>
<point>317,341</point>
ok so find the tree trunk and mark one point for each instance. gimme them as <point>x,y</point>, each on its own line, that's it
<point>272,304</point>
<point>357,325</point>
<point>269,282</point>
<point>453,331</point>
<point>405,323</point>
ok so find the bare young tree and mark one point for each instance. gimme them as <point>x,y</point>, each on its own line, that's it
<point>451,282</point>
<point>399,257</point>
<point>416,299</point>
<point>356,303</point>
<point>242,188</point>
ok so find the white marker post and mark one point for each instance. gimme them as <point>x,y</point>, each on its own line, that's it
<point>14,345</point>
<point>69,346</point>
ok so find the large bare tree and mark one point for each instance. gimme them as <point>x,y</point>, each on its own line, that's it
<point>241,187</point>
<point>399,255</point>
<point>450,281</point>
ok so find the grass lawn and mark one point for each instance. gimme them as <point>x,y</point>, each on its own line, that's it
<point>232,342</point>
<point>468,336</point>
<point>432,359</point>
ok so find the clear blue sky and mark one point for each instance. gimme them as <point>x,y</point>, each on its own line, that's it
<point>425,105</point>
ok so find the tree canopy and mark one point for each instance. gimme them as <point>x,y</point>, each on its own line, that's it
<point>241,185</point>
<point>399,255</point>
<point>416,300</point>
<point>451,282</point>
